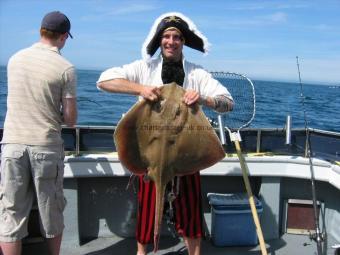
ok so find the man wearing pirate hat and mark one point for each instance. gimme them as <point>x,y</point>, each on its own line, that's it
<point>170,32</point>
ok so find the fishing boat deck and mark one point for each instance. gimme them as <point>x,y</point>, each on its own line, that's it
<point>287,244</point>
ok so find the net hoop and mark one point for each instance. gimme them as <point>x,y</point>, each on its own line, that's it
<point>218,75</point>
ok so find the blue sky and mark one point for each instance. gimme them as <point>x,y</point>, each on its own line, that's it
<point>260,39</point>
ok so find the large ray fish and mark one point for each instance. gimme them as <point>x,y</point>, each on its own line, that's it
<point>164,139</point>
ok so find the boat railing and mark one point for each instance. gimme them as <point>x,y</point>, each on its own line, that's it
<point>83,139</point>
<point>325,144</point>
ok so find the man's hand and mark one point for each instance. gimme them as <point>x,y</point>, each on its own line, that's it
<point>190,97</point>
<point>150,93</point>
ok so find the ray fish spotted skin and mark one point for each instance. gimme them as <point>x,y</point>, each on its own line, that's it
<point>165,139</point>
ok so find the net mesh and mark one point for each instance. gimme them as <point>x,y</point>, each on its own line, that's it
<point>242,90</point>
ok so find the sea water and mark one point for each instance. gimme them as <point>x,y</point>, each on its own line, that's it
<point>274,101</point>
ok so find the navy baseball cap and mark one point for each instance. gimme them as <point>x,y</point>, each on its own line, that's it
<point>56,22</point>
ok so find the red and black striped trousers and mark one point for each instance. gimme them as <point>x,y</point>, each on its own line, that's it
<point>187,208</point>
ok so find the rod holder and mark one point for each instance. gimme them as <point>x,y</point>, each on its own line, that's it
<point>288,130</point>
<point>221,129</point>
<point>77,141</point>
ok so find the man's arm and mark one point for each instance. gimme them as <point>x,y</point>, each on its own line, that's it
<point>223,104</point>
<point>128,87</point>
<point>70,112</point>
<point>219,103</point>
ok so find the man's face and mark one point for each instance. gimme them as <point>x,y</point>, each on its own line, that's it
<point>172,44</point>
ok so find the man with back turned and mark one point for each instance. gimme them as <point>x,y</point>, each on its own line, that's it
<point>41,97</point>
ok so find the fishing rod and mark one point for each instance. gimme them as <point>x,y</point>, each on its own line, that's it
<point>84,99</point>
<point>318,237</point>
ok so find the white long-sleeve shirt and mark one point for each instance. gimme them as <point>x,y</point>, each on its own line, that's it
<point>149,73</point>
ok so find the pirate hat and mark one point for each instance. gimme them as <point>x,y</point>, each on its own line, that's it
<point>193,37</point>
